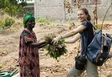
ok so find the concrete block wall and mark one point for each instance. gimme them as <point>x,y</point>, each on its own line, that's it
<point>101,10</point>
<point>54,9</point>
<point>50,9</point>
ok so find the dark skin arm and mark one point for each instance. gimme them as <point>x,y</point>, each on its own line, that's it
<point>39,45</point>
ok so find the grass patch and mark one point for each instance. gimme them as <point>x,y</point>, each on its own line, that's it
<point>43,20</point>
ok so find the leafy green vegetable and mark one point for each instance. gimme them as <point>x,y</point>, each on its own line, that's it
<point>55,50</point>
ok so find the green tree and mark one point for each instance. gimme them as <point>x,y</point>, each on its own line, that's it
<point>12,7</point>
<point>2,3</point>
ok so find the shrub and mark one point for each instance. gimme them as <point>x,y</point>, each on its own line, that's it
<point>8,22</point>
<point>1,25</point>
<point>42,20</point>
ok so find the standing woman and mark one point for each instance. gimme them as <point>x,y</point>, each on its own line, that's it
<point>28,49</point>
<point>83,30</point>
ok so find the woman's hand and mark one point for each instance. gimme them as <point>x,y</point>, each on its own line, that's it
<point>55,40</point>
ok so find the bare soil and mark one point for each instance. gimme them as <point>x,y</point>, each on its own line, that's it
<point>9,47</point>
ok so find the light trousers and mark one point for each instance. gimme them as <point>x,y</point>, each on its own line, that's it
<point>90,68</point>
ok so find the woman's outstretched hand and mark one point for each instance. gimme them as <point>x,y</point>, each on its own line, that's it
<point>55,40</point>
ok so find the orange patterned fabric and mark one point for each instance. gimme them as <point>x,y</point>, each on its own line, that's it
<point>28,56</point>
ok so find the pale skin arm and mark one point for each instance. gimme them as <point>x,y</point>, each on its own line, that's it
<point>74,39</point>
<point>70,33</point>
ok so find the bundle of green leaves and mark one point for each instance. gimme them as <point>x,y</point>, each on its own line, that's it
<point>55,50</point>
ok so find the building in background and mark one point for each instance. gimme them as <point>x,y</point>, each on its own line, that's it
<point>29,7</point>
<point>56,10</point>
<point>50,9</point>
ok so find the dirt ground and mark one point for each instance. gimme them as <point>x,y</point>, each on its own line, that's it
<point>49,67</point>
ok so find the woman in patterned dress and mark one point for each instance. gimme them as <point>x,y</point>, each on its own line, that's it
<point>28,49</point>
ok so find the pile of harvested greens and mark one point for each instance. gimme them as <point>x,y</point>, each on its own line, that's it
<point>55,50</point>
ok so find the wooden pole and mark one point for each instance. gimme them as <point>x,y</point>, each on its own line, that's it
<point>106,13</point>
<point>96,17</point>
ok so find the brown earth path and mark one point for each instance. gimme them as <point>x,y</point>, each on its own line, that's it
<point>49,67</point>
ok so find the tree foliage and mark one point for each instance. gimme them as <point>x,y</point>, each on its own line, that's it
<point>12,7</point>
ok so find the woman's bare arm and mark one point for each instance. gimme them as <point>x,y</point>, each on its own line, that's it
<point>70,33</point>
<point>39,45</point>
<point>73,32</point>
<point>74,39</point>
